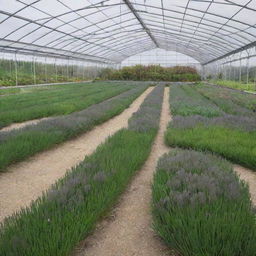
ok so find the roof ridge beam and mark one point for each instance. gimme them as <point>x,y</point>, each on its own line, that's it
<point>133,10</point>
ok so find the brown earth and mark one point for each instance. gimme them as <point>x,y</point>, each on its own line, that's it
<point>127,231</point>
<point>25,181</point>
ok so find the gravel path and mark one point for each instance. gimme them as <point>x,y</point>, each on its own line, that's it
<point>127,231</point>
<point>23,124</point>
<point>25,181</point>
<point>250,177</point>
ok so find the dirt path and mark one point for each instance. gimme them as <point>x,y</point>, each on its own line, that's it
<point>23,124</point>
<point>25,181</point>
<point>128,232</point>
<point>250,177</point>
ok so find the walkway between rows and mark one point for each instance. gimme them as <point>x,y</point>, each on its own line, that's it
<point>128,231</point>
<point>25,181</point>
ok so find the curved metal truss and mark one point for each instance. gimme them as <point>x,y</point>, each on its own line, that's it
<point>109,31</point>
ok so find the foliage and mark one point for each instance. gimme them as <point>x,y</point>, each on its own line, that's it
<point>55,223</point>
<point>235,85</point>
<point>230,135</point>
<point>40,73</point>
<point>152,73</point>
<point>200,207</point>
<point>16,145</point>
<point>55,100</point>
<point>186,101</point>
<point>236,145</point>
<point>230,101</point>
<point>148,116</point>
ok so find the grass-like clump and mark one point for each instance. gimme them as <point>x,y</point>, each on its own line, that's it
<point>231,134</point>
<point>16,145</point>
<point>66,213</point>
<point>186,101</point>
<point>33,103</point>
<point>236,85</point>
<point>200,207</point>
<point>230,101</point>
<point>233,144</point>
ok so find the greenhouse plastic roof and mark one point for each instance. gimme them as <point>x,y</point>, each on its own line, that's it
<point>112,30</point>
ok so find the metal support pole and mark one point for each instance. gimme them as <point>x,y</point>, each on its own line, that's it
<point>34,69</point>
<point>247,71</point>
<point>45,69</point>
<point>16,70</point>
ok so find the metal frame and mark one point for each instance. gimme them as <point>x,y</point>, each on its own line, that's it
<point>109,31</point>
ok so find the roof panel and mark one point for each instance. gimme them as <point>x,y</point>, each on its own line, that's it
<point>115,29</point>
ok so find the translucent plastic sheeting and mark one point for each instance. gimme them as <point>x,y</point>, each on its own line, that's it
<point>110,31</point>
<point>161,57</point>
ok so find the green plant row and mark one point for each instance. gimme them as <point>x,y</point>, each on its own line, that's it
<point>17,145</point>
<point>57,100</point>
<point>152,73</point>
<point>200,207</point>
<point>55,223</point>
<point>231,136</point>
<point>235,85</point>
<point>186,101</point>
<point>233,144</point>
<point>230,101</point>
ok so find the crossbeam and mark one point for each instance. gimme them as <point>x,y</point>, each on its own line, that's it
<point>132,9</point>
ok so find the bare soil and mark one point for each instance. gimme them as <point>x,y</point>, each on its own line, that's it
<point>25,181</point>
<point>22,124</point>
<point>249,177</point>
<point>127,230</point>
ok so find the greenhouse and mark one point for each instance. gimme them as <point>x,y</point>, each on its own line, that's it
<point>127,127</point>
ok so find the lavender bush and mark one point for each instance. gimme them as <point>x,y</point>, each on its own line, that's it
<point>16,145</point>
<point>243,123</point>
<point>231,102</point>
<point>200,207</point>
<point>186,101</point>
<point>56,222</point>
<point>148,115</point>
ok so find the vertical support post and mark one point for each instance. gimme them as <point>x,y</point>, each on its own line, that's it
<point>240,70</point>
<point>247,70</point>
<point>55,64</point>
<point>45,69</point>
<point>16,70</point>
<point>34,69</point>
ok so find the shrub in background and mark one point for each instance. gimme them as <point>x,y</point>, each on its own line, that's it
<point>152,73</point>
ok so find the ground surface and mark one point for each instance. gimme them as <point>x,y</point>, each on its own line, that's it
<point>249,177</point>
<point>25,181</point>
<point>128,231</point>
<point>23,124</point>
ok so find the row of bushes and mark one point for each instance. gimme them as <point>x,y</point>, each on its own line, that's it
<point>55,223</point>
<point>235,85</point>
<point>16,145</point>
<point>55,100</point>
<point>200,207</point>
<point>230,101</point>
<point>152,73</point>
<point>232,134</point>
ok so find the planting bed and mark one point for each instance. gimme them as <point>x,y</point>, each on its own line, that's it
<point>67,212</point>
<point>38,102</point>
<point>17,145</point>
<point>25,181</point>
<point>200,207</point>
<point>127,230</point>
<point>230,132</point>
